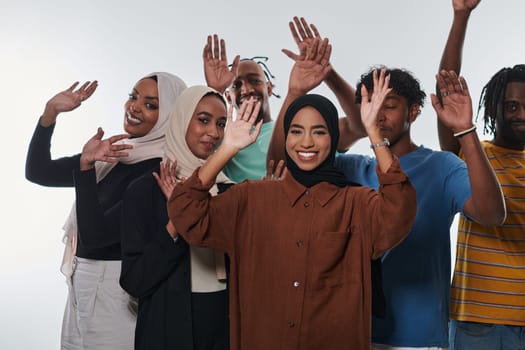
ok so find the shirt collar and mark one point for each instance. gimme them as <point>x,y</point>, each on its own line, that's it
<point>322,192</point>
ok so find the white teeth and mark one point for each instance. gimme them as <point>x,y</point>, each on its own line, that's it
<point>133,119</point>
<point>306,154</point>
<point>257,98</point>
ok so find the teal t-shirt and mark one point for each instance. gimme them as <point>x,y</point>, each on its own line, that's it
<point>250,163</point>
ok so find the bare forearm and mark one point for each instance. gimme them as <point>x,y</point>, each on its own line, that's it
<point>452,54</point>
<point>451,60</point>
<point>351,128</point>
<point>488,206</point>
<point>345,94</point>
<point>276,147</point>
<point>447,141</point>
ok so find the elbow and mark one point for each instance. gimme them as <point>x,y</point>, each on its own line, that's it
<point>32,176</point>
<point>496,218</point>
<point>128,281</point>
<point>129,287</point>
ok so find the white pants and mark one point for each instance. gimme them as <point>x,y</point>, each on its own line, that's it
<point>97,316</point>
<point>388,347</point>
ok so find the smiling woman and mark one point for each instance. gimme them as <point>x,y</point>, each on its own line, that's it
<point>97,314</point>
<point>45,48</point>
<point>300,278</point>
<point>308,141</point>
<point>206,127</point>
<point>142,108</point>
<point>182,292</point>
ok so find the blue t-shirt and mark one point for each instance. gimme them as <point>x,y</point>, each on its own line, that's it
<point>416,273</point>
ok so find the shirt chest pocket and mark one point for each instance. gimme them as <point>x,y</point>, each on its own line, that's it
<point>326,260</point>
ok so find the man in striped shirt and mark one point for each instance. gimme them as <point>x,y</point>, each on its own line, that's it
<point>487,308</point>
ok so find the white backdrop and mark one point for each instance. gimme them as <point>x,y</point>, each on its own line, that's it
<point>47,45</point>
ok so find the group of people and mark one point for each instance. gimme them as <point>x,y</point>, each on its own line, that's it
<point>209,225</point>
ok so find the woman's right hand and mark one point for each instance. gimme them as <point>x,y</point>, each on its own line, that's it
<point>97,149</point>
<point>66,101</point>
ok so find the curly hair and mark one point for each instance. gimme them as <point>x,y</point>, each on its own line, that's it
<point>493,95</point>
<point>402,82</point>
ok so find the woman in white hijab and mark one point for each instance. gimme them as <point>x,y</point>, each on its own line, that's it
<point>97,314</point>
<point>182,291</point>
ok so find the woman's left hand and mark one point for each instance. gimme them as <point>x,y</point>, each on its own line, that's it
<point>371,106</point>
<point>167,179</point>
<point>105,150</point>
<point>280,170</point>
<point>240,133</point>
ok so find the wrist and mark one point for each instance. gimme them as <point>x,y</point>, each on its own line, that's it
<point>384,143</point>
<point>294,92</point>
<point>228,150</point>
<point>465,131</point>
<point>330,76</point>
<point>48,118</point>
<point>171,230</point>
<point>86,164</point>
<point>462,14</point>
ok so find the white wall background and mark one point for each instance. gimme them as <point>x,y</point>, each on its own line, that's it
<point>47,45</point>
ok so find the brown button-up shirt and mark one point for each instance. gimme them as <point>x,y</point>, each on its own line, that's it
<point>300,257</point>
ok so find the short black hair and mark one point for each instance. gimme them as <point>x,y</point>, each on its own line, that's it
<point>261,61</point>
<point>402,82</point>
<point>493,95</point>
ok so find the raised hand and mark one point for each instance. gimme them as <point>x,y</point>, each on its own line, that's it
<point>465,5</point>
<point>167,179</point>
<point>67,100</point>
<point>370,105</point>
<point>97,149</point>
<point>303,33</point>
<point>240,133</point>
<point>278,173</point>
<point>311,66</point>
<point>455,110</point>
<point>216,71</point>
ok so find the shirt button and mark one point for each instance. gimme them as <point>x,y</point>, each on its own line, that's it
<point>296,284</point>
<point>306,192</point>
<point>291,324</point>
<point>299,243</point>
<point>306,205</point>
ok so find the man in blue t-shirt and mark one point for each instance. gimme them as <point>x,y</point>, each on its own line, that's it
<point>416,273</point>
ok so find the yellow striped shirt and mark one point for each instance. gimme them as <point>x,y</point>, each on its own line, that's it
<point>489,276</point>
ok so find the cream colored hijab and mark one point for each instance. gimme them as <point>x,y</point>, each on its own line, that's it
<point>145,147</point>
<point>207,267</point>
<point>176,147</point>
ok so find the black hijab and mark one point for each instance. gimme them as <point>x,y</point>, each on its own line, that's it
<point>326,170</point>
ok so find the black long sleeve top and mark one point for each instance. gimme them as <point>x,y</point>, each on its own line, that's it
<point>156,269</point>
<point>98,205</point>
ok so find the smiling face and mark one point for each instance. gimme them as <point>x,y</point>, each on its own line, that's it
<point>142,108</point>
<point>308,139</point>
<point>510,125</point>
<point>251,82</point>
<point>206,128</point>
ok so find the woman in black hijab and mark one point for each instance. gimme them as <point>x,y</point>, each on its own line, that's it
<point>300,248</point>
